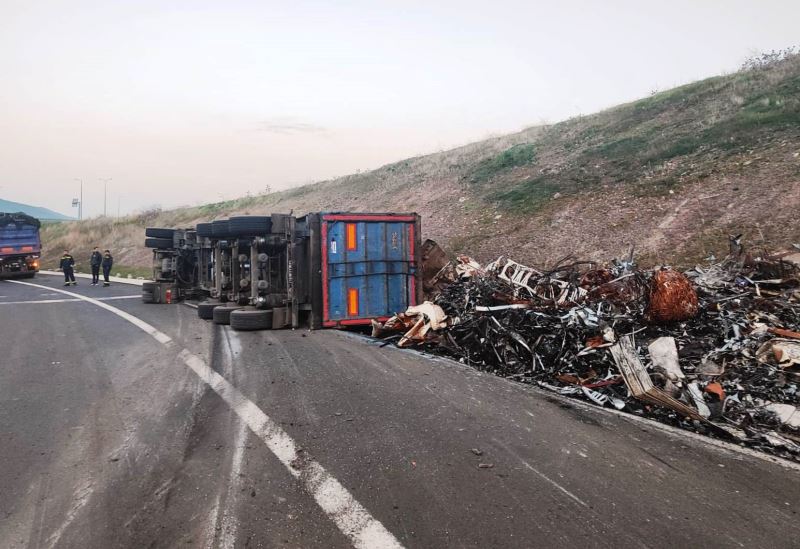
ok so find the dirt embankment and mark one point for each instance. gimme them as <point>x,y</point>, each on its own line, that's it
<point>670,175</point>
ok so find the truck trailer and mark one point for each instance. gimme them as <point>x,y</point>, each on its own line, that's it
<point>327,269</point>
<point>20,245</point>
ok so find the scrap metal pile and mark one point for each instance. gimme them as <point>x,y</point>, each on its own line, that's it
<point>715,349</point>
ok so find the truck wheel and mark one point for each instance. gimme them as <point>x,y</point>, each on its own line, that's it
<point>204,230</point>
<point>250,319</point>
<point>149,292</point>
<point>152,232</point>
<point>160,243</point>
<point>205,310</point>
<point>219,228</point>
<point>222,315</point>
<point>250,225</point>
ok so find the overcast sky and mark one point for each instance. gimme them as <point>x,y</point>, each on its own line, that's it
<point>183,102</point>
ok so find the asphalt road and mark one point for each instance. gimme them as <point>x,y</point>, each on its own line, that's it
<point>108,439</point>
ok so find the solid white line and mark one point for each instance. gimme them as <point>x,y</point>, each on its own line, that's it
<point>352,519</point>
<point>117,279</point>
<point>349,515</point>
<point>141,324</point>
<point>71,300</point>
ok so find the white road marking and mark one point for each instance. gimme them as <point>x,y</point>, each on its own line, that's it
<point>141,324</point>
<point>228,526</point>
<point>349,515</point>
<point>554,483</point>
<point>69,300</point>
<point>79,499</point>
<point>353,520</point>
<point>211,524</point>
<point>541,475</point>
<point>114,279</point>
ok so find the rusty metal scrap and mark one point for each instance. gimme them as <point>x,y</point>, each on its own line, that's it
<point>714,349</point>
<point>672,297</point>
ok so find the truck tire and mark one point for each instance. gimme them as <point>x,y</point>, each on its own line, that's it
<point>250,225</point>
<point>153,232</point>
<point>249,319</point>
<point>159,243</point>
<point>149,292</point>
<point>204,230</point>
<point>205,310</point>
<point>220,229</point>
<point>222,315</point>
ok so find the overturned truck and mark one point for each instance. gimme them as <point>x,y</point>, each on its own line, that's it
<point>268,272</point>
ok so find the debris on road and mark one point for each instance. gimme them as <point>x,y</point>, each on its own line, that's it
<point>715,349</point>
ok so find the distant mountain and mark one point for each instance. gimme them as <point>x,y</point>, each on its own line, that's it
<point>39,213</point>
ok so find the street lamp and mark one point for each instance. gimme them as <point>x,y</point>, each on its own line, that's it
<point>78,202</point>
<point>105,194</point>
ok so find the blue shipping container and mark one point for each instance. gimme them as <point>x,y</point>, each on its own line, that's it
<point>369,266</point>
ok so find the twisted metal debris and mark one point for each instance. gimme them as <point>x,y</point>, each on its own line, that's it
<point>715,349</point>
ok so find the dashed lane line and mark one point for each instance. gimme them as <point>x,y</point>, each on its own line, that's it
<point>353,520</point>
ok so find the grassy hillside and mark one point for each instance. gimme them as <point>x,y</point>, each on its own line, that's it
<point>671,174</point>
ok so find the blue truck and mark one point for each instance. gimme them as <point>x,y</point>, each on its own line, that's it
<point>20,245</point>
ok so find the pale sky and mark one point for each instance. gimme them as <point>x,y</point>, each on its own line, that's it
<point>186,102</point>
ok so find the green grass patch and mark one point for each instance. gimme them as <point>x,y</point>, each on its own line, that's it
<point>518,155</point>
<point>528,196</point>
<point>626,147</point>
<point>679,147</point>
<point>135,272</point>
<point>663,100</point>
<point>217,207</point>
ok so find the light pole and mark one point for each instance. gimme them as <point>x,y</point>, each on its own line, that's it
<point>79,202</point>
<point>105,194</point>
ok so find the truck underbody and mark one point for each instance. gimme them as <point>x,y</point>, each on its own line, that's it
<point>25,266</point>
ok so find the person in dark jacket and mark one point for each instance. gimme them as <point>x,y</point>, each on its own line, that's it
<point>67,265</point>
<point>108,262</point>
<point>95,261</point>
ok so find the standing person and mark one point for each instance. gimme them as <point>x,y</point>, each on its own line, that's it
<point>108,262</point>
<point>95,261</point>
<point>67,265</point>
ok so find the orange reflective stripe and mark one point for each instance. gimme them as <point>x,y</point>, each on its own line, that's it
<point>352,243</point>
<point>352,302</point>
